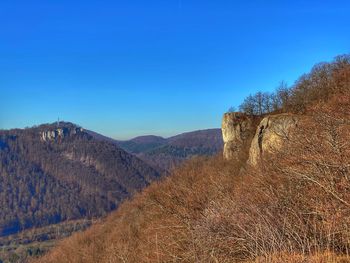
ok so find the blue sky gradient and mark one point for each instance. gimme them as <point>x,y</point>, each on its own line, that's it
<point>132,67</point>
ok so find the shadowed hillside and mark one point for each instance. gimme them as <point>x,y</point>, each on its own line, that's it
<point>58,172</point>
<point>142,143</point>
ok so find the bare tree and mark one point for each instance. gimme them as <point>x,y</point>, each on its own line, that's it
<point>248,105</point>
<point>283,96</point>
<point>232,109</point>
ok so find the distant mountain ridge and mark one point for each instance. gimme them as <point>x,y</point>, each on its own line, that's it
<point>57,172</point>
<point>165,153</point>
<point>142,143</point>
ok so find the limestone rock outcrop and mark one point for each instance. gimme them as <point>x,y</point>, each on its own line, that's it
<point>59,133</point>
<point>270,135</point>
<point>237,130</point>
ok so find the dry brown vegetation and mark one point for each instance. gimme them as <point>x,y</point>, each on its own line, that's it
<point>292,207</point>
<point>320,84</point>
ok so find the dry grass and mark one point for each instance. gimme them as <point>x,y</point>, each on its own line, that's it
<point>325,257</point>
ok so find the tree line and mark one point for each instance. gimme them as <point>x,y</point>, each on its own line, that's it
<point>324,80</point>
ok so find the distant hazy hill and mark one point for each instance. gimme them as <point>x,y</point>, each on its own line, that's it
<point>52,173</point>
<point>142,143</point>
<point>165,153</point>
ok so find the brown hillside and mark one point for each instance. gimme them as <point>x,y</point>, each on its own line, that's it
<point>292,206</point>
<point>297,203</point>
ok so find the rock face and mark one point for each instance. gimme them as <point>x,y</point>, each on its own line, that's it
<point>241,132</point>
<point>270,134</point>
<point>237,131</point>
<point>59,133</point>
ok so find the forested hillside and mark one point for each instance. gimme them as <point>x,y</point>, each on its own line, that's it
<point>291,206</point>
<point>58,172</point>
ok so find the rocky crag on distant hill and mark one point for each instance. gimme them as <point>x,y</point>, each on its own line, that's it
<point>59,133</point>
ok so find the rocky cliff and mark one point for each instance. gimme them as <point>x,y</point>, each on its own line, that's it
<point>241,132</point>
<point>270,134</point>
<point>238,129</point>
<point>59,133</point>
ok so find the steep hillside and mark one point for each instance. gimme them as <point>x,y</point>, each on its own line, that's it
<point>289,203</point>
<point>167,153</point>
<point>51,173</point>
<point>295,203</point>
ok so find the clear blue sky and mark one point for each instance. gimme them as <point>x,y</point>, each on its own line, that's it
<point>132,67</point>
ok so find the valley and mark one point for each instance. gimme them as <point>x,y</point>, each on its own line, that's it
<point>57,174</point>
